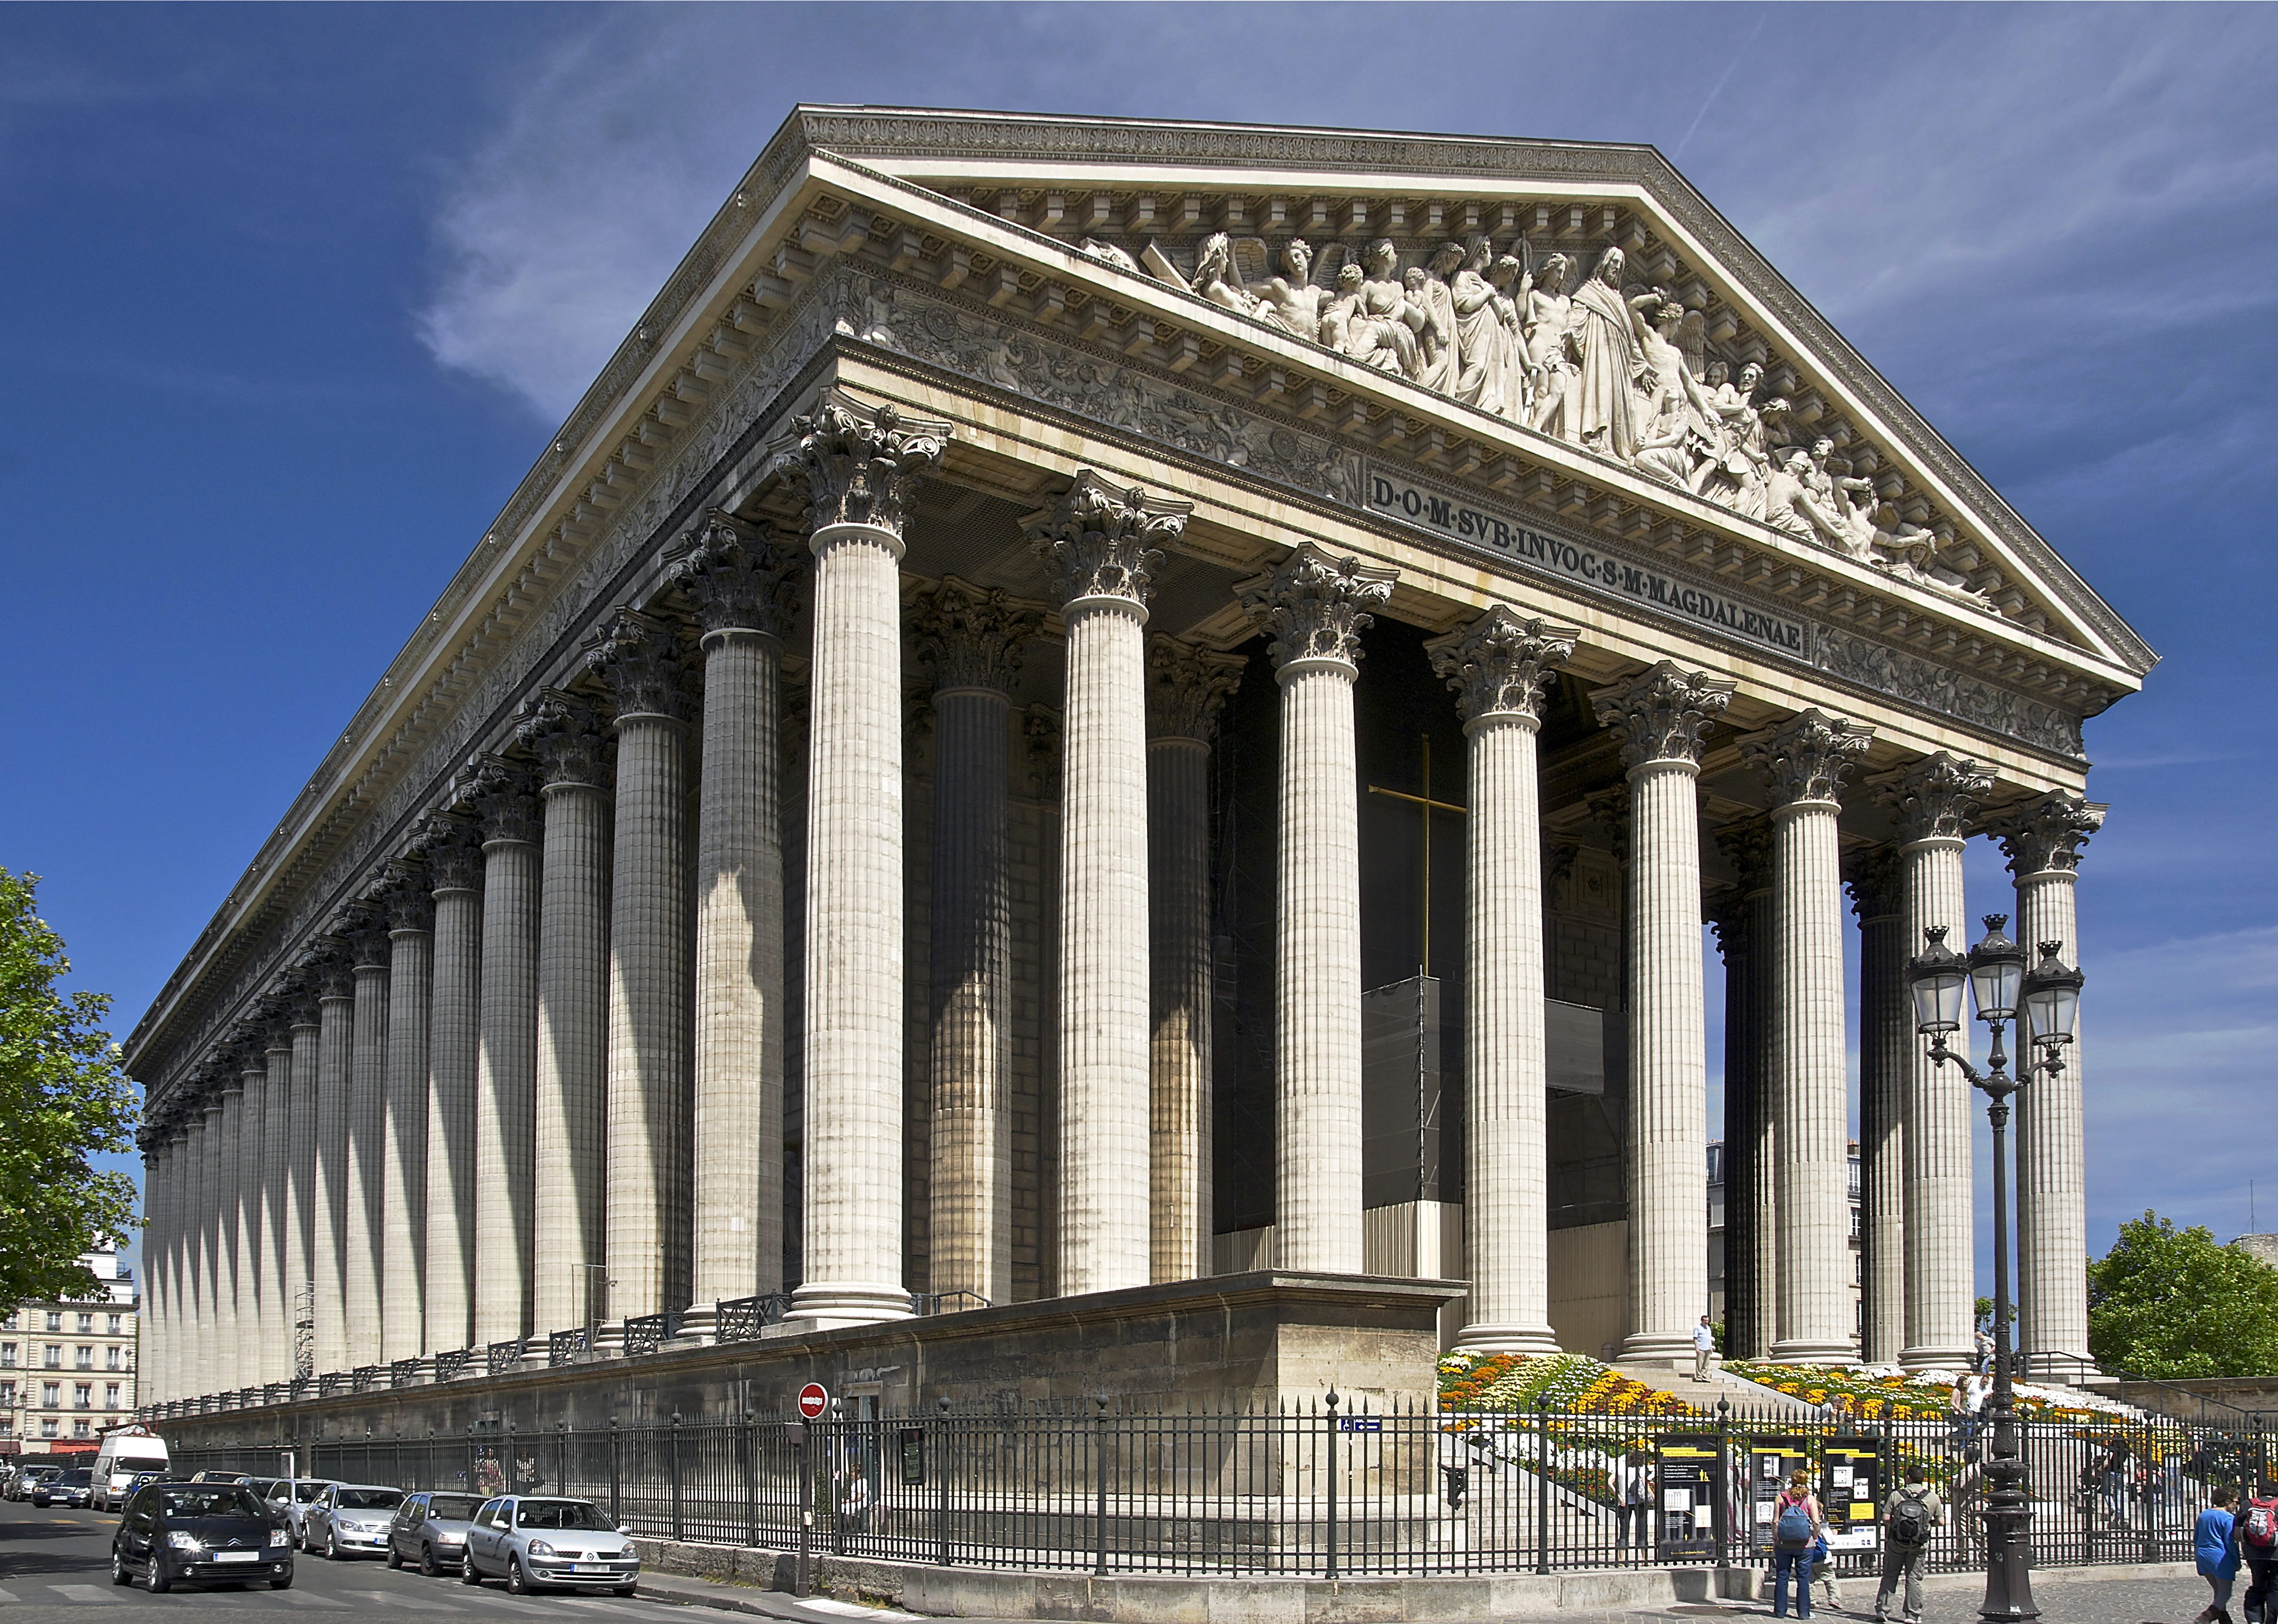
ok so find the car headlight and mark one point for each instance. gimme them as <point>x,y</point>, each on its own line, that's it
<point>539,1547</point>
<point>185,1542</point>
<point>448,1538</point>
<point>277,1536</point>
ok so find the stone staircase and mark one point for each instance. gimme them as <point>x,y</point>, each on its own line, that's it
<point>1677,1379</point>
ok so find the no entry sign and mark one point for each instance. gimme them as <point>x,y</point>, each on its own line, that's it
<point>813,1401</point>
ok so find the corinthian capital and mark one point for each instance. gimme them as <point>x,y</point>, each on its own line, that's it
<point>639,656</point>
<point>448,844</point>
<point>406,895</point>
<point>970,637</point>
<point>500,795</point>
<point>1665,714</point>
<point>1186,687</point>
<point>1805,757</point>
<point>1936,798</point>
<point>568,736</point>
<point>1500,665</point>
<point>1316,605</point>
<point>861,463</point>
<point>2045,835</point>
<point>1101,540</point>
<point>1878,881</point>
<point>1748,847</point>
<point>737,576</point>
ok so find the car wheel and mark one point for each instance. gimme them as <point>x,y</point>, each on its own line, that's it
<point>395,1561</point>
<point>158,1581</point>
<point>517,1582</point>
<point>427,1561</point>
<point>331,1545</point>
<point>468,1573</point>
<point>118,1571</point>
<point>622,1590</point>
<point>285,1583</point>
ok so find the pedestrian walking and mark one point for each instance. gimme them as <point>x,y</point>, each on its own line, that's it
<point>2258,1548</point>
<point>851,1496</point>
<point>1909,1518</point>
<point>1984,1351</point>
<point>2114,1471</point>
<point>1961,1415</point>
<point>1798,1526</point>
<point>1968,1487</point>
<point>525,1474</point>
<point>1704,1348</point>
<point>1454,1464</point>
<point>2214,1542</point>
<point>1635,1506</point>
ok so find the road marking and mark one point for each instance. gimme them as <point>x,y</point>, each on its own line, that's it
<point>296,1598</point>
<point>8,1598</point>
<point>397,1598</point>
<point>82,1592</point>
<point>510,1604</point>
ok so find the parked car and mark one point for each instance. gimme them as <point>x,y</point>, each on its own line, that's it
<point>174,1534</point>
<point>349,1519</point>
<point>221,1477</point>
<point>431,1530</point>
<point>532,1542</point>
<point>291,1498</point>
<point>30,1477</point>
<point>73,1487</point>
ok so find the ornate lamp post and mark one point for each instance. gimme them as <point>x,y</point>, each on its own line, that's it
<point>2046,1003</point>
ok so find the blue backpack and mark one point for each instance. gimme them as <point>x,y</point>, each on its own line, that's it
<point>1794,1531</point>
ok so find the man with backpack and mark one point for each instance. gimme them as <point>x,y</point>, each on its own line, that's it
<point>2257,1547</point>
<point>1909,1518</point>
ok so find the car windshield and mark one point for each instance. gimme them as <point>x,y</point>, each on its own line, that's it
<point>369,1499</point>
<point>561,1514</point>
<point>74,1479</point>
<point>211,1500</point>
<point>122,1464</point>
<point>454,1507</point>
<point>306,1492</point>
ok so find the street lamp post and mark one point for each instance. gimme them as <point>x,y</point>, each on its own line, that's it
<point>2046,1003</point>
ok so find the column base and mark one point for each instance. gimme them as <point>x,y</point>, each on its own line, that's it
<point>1523,1340</point>
<point>1938,1359</point>
<point>1668,1346</point>
<point>1805,1351</point>
<point>827,1306</point>
<point>699,1324</point>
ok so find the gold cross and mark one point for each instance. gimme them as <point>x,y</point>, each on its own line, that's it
<point>1428,807</point>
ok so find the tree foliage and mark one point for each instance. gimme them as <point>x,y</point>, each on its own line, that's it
<point>63,1101</point>
<point>2168,1303</point>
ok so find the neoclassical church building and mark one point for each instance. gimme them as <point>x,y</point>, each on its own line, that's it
<point>1088,705</point>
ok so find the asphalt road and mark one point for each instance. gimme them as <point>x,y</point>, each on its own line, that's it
<point>56,1565</point>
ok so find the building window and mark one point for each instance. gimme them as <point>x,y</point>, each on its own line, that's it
<point>47,1428</point>
<point>50,1395</point>
<point>117,1325</point>
<point>55,1320</point>
<point>83,1395</point>
<point>87,1358</point>
<point>82,1430</point>
<point>86,1325</point>
<point>9,1323</point>
<point>55,1356</point>
<point>8,1354</point>
<point>7,1395</point>
<point>111,1395</point>
<point>110,1358</point>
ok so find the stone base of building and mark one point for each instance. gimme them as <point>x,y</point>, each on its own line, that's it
<point>1257,1339</point>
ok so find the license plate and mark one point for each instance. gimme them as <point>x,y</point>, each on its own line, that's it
<point>237,1556</point>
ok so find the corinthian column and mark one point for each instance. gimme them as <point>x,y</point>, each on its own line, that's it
<point>216,1333</point>
<point>1315,604</point>
<point>1499,666</point>
<point>410,1005</point>
<point>2043,842</point>
<point>573,982</point>
<point>862,467</point>
<point>646,1188</point>
<point>1804,759</point>
<point>300,1232</point>
<point>361,1236</point>
<point>970,640</point>
<point>276,1360</point>
<point>1886,1044</point>
<point>507,1058</point>
<point>1933,803</point>
<point>741,586</point>
<point>328,1227</point>
<point>253,1295</point>
<point>454,866</point>
<point>158,1315</point>
<point>1186,687</point>
<point>1662,717</point>
<point>1751,1209</point>
<point>1099,542</point>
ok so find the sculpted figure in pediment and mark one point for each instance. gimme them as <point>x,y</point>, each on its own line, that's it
<point>1792,507</point>
<point>1393,323</point>
<point>1216,279</point>
<point>1292,301</point>
<point>1112,254</point>
<point>1442,362</point>
<point>1507,276</point>
<point>1546,316</point>
<point>1610,362</point>
<point>1483,346</point>
<point>1908,551</point>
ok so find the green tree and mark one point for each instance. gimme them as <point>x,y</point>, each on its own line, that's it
<point>2166,1303</point>
<point>63,1100</point>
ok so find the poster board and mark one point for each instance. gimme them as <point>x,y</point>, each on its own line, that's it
<point>1769,1462</point>
<point>1851,1489</point>
<point>1689,1482</point>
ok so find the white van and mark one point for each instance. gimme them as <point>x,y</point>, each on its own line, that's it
<point>127,1455</point>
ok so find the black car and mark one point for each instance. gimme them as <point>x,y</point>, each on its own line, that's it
<point>74,1488</point>
<point>199,1534</point>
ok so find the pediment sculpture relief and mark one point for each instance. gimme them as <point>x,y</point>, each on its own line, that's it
<point>1615,367</point>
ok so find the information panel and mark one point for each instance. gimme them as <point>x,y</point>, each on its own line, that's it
<point>1689,1479</point>
<point>1770,1462</point>
<point>1851,1489</point>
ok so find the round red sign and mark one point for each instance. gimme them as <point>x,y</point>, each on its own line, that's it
<point>813,1401</point>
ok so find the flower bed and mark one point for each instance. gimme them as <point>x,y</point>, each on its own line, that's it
<point>1565,1383</point>
<point>1880,1391</point>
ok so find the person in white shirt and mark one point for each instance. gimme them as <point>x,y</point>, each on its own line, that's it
<point>1704,1347</point>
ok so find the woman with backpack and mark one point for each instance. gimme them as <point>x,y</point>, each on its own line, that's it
<point>1798,1526</point>
<point>1909,1519</point>
<point>2258,1548</point>
<point>2214,1541</point>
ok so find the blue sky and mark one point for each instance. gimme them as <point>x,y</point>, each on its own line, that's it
<point>290,298</point>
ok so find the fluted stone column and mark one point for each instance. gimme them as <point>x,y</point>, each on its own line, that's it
<point>861,467</point>
<point>2043,842</point>
<point>1500,666</point>
<point>572,1052</point>
<point>1805,759</point>
<point>1751,1137</point>
<point>1886,1042</point>
<point>646,1187</point>
<point>411,1010</point>
<point>154,1377</point>
<point>240,1158</point>
<point>168,1171</point>
<point>215,1332</point>
<point>970,641</point>
<point>1099,541</point>
<point>252,1224</point>
<point>454,865</point>
<point>306,1033</point>
<point>1186,688</point>
<point>1662,717</point>
<point>276,1362</point>
<point>506,1070</point>
<point>740,584</point>
<point>1315,606</point>
<point>328,1249</point>
<point>362,1232</point>
<point>1933,803</point>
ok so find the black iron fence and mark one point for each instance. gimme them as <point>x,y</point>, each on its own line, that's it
<point>1324,1490</point>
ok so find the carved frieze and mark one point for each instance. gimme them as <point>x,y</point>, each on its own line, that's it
<point>1501,663</point>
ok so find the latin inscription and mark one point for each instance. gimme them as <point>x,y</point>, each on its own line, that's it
<point>1505,538</point>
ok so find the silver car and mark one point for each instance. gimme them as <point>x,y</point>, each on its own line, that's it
<point>531,1541</point>
<point>349,1519</point>
<point>292,1497</point>
<point>430,1530</point>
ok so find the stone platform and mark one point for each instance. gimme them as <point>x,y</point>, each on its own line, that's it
<point>1252,1340</point>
